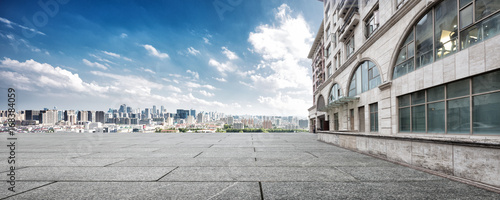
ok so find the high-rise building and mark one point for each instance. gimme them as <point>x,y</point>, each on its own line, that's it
<point>303,123</point>
<point>83,116</point>
<point>399,69</point>
<point>201,118</point>
<point>238,125</point>
<point>230,120</point>
<point>32,115</point>
<point>154,110</point>
<point>129,109</point>
<point>123,108</point>
<point>182,114</point>
<point>267,124</point>
<point>190,120</point>
<point>48,117</point>
<point>99,116</point>
<point>70,117</point>
<point>192,113</point>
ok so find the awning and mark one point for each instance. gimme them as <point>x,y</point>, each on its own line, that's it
<point>341,101</point>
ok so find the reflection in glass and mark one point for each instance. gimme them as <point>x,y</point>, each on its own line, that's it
<point>435,94</point>
<point>423,41</point>
<point>486,114</point>
<point>458,116</point>
<point>418,97</point>
<point>457,89</point>
<point>466,16</point>
<point>404,100</point>
<point>486,82</point>
<point>418,118</point>
<point>445,27</point>
<point>404,119</point>
<point>464,2</point>
<point>435,117</point>
<point>486,7</point>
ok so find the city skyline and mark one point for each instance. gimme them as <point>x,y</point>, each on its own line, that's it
<point>206,55</point>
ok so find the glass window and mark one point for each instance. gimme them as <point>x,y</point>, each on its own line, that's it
<point>446,28</point>
<point>402,55</point>
<point>335,93</point>
<point>486,7</point>
<point>418,118</point>
<point>435,117</point>
<point>403,69</point>
<point>404,100</point>
<point>457,89</point>
<point>374,117</point>
<point>486,82</point>
<point>372,23</point>
<point>458,116</point>
<point>404,119</point>
<point>409,38</point>
<point>411,50</point>
<point>466,16</point>
<point>435,94</point>
<point>486,114</point>
<point>418,97</point>
<point>350,46</point>
<point>423,41</point>
<point>471,36</point>
<point>464,2</point>
<point>491,26</point>
<point>365,78</point>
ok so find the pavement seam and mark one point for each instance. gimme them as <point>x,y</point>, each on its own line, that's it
<point>261,192</point>
<point>198,154</point>
<point>166,174</point>
<point>311,154</point>
<point>29,190</point>
<point>116,162</point>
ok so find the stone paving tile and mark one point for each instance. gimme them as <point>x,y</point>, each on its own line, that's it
<point>145,190</point>
<point>19,187</point>
<point>322,162</point>
<point>395,173</point>
<point>257,174</point>
<point>197,162</point>
<point>90,173</point>
<point>282,154</point>
<point>444,189</point>
<point>69,162</point>
<point>141,154</point>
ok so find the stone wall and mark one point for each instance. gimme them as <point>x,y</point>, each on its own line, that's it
<point>462,158</point>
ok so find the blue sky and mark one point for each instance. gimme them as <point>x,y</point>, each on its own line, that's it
<point>236,57</point>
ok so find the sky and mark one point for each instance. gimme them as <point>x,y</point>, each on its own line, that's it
<point>231,56</point>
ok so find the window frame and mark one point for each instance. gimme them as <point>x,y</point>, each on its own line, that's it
<point>470,96</point>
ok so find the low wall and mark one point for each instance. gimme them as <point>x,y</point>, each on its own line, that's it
<point>472,160</point>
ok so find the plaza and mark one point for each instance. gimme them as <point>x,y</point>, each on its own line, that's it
<point>211,166</point>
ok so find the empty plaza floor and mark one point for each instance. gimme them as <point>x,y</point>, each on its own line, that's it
<point>210,166</point>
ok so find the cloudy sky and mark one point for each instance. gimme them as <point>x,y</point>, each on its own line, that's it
<point>231,56</point>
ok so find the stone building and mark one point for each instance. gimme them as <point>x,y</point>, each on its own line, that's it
<point>412,81</point>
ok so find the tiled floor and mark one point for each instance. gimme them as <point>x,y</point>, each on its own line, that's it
<point>212,166</point>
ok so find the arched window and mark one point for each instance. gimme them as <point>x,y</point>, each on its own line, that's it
<point>320,106</point>
<point>445,29</point>
<point>335,93</point>
<point>365,78</point>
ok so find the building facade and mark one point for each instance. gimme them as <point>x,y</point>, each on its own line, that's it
<point>417,82</point>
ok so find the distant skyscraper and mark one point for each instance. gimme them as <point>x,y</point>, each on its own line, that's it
<point>147,113</point>
<point>162,111</point>
<point>99,116</point>
<point>123,108</point>
<point>193,113</point>
<point>129,109</point>
<point>230,120</point>
<point>154,110</point>
<point>182,114</point>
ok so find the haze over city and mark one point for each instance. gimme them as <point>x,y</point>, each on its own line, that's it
<point>205,55</point>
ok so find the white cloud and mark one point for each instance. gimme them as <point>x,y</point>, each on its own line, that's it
<point>229,54</point>
<point>195,74</point>
<point>123,35</point>
<point>196,85</point>
<point>246,84</point>
<point>173,88</point>
<point>285,105</point>
<point>111,54</point>
<point>152,51</point>
<point>10,23</point>
<point>284,48</point>
<point>147,70</point>
<point>222,67</point>
<point>193,51</point>
<point>207,94</point>
<point>206,40</point>
<point>94,64</point>
<point>221,79</point>
<point>34,76</point>
<point>116,55</point>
